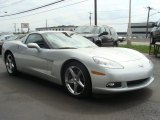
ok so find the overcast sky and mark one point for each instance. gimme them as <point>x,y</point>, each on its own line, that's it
<point>75,12</point>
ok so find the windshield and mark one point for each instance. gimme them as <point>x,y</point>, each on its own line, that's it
<point>88,29</point>
<point>67,41</point>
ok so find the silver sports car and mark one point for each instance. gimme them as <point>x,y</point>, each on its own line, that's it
<point>78,64</point>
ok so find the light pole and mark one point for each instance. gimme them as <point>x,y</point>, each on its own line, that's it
<point>149,9</point>
<point>95,11</point>
<point>46,24</point>
<point>129,32</point>
<point>90,17</point>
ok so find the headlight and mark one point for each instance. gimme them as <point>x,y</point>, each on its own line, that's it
<point>107,63</point>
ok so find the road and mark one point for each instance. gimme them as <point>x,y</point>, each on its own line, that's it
<point>26,97</point>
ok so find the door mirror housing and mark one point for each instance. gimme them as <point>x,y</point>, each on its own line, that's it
<point>104,33</point>
<point>34,45</point>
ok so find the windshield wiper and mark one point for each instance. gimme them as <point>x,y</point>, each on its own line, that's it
<point>67,48</point>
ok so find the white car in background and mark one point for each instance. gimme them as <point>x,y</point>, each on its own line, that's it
<point>4,38</point>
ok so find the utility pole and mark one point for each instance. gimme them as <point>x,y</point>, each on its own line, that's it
<point>149,9</point>
<point>46,24</point>
<point>15,27</point>
<point>95,11</point>
<point>90,17</point>
<point>129,32</point>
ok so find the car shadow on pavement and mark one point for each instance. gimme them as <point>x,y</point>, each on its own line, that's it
<point>55,96</point>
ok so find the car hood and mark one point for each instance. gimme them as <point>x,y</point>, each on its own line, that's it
<point>115,54</point>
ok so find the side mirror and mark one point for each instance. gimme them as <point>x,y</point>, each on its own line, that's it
<point>34,45</point>
<point>104,33</point>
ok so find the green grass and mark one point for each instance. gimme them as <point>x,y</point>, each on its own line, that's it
<point>140,48</point>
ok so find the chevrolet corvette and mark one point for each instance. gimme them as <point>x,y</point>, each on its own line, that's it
<point>78,64</point>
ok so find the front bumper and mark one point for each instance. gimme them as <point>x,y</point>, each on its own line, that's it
<point>124,86</point>
<point>127,79</point>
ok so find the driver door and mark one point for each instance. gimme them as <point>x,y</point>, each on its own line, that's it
<point>34,61</point>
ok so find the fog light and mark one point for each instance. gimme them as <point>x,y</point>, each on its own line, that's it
<point>111,84</point>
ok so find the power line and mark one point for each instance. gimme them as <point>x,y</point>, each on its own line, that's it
<point>11,4</point>
<point>47,10</point>
<point>33,8</point>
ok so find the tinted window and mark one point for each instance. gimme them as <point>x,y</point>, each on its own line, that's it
<point>36,38</point>
<point>105,30</point>
<point>88,30</point>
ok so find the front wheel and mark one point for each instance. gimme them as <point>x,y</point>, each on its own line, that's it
<point>76,80</point>
<point>10,64</point>
<point>98,43</point>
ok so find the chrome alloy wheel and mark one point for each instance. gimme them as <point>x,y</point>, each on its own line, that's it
<point>74,80</point>
<point>10,63</point>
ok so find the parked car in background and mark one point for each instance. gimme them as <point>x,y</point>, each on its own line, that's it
<point>121,39</point>
<point>155,33</point>
<point>16,37</point>
<point>98,34</point>
<point>3,38</point>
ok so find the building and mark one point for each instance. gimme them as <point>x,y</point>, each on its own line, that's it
<point>138,30</point>
<point>58,28</point>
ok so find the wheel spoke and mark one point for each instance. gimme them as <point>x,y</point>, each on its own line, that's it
<point>9,59</point>
<point>7,64</point>
<point>78,75</point>
<point>81,84</point>
<point>75,88</point>
<point>72,72</point>
<point>12,65</point>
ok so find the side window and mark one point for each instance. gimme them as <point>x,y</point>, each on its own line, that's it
<point>107,30</point>
<point>97,30</point>
<point>103,30</point>
<point>113,32</point>
<point>36,38</point>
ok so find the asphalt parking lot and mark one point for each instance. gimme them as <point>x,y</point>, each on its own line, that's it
<point>26,97</point>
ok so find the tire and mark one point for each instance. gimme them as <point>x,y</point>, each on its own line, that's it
<point>115,44</point>
<point>76,80</point>
<point>98,43</point>
<point>10,64</point>
<point>152,40</point>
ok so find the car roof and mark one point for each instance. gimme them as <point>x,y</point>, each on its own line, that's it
<point>41,32</point>
<point>96,26</point>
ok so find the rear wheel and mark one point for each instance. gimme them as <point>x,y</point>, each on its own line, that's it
<point>76,80</point>
<point>115,44</point>
<point>10,64</point>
